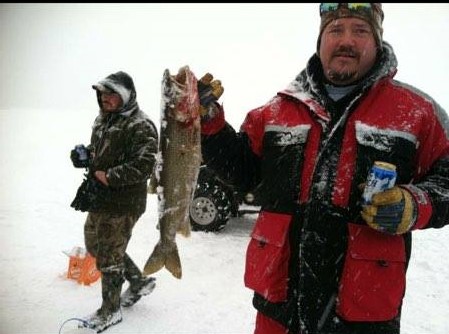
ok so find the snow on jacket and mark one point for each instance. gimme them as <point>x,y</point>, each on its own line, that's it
<point>124,144</point>
<point>305,156</point>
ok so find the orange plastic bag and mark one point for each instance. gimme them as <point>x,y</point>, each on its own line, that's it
<point>82,266</point>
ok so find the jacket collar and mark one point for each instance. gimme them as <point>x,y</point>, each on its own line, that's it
<point>308,86</point>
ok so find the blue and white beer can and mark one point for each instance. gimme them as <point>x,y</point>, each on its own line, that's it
<point>382,176</point>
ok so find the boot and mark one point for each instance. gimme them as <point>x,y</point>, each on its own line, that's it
<point>135,291</point>
<point>109,313</point>
<point>131,272</point>
<point>138,284</point>
<point>101,320</point>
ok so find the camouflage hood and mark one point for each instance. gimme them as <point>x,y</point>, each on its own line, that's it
<point>122,84</point>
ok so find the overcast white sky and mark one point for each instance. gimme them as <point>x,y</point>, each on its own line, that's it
<point>51,53</point>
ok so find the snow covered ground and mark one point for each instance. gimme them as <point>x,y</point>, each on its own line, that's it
<point>37,224</point>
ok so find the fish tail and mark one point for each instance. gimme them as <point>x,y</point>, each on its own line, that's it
<point>164,256</point>
<point>173,262</point>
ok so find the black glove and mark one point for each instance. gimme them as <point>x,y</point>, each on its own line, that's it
<point>80,156</point>
<point>209,92</point>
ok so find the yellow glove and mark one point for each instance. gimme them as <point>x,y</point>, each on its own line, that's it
<point>392,211</point>
<point>209,91</point>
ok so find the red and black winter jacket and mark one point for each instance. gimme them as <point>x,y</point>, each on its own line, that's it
<point>305,156</point>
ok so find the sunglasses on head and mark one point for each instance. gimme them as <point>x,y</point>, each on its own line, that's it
<point>333,6</point>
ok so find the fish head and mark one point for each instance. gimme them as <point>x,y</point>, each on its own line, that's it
<point>180,95</point>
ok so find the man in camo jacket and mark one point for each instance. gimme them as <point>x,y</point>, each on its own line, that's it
<point>121,156</point>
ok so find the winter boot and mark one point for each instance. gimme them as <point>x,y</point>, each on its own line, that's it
<point>109,313</point>
<point>136,290</point>
<point>101,320</point>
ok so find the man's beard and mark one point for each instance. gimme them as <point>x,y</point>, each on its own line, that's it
<point>343,77</point>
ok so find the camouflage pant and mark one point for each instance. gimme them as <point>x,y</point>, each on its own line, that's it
<point>106,237</point>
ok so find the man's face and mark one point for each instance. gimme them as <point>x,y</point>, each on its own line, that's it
<point>347,50</point>
<point>110,101</point>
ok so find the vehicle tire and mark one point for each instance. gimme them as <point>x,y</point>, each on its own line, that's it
<point>211,207</point>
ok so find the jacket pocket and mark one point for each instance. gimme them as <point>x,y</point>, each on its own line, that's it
<point>385,144</point>
<point>372,285</point>
<point>267,257</point>
<point>283,153</point>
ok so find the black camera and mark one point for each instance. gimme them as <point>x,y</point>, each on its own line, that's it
<point>80,156</point>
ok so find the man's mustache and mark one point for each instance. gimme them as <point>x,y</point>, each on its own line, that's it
<point>345,51</point>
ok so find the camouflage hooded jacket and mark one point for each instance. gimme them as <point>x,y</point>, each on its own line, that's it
<point>124,145</point>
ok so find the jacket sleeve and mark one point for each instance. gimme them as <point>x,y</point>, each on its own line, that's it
<point>432,196</point>
<point>140,157</point>
<point>230,154</point>
<point>431,192</point>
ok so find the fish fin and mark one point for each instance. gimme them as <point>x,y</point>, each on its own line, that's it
<point>184,228</point>
<point>164,256</point>
<point>152,184</point>
<point>156,260</point>
<point>173,263</point>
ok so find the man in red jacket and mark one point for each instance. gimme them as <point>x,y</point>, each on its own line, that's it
<point>320,262</point>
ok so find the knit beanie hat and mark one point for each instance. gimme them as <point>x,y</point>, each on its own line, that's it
<point>369,12</point>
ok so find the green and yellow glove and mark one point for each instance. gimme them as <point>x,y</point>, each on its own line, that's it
<point>209,91</point>
<point>392,211</point>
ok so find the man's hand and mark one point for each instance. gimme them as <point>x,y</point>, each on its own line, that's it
<point>101,176</point>
<point>209,92</point>
<point>392,211</point>
<point>80,156</point>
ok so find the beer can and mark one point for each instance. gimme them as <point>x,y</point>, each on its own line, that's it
<point>382,176</point>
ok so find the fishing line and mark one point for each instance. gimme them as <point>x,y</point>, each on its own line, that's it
<point>72,319</point>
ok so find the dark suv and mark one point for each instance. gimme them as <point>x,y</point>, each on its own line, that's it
<point>214,202</point>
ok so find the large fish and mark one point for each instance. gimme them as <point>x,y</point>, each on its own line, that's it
<point>177,166</point>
